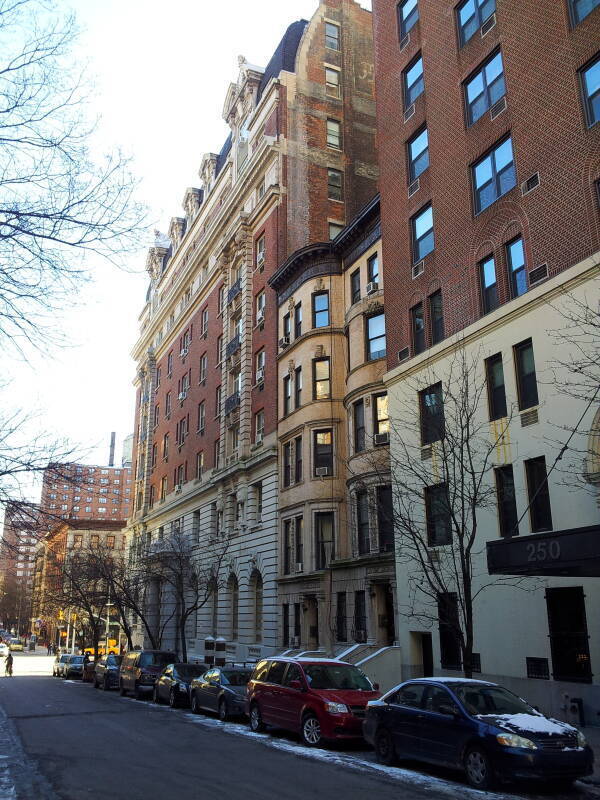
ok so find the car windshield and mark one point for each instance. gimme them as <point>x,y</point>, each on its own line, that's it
<point>191,670</point>
<point>114,660</point>
<point>232,677</point>
<point>480,700</point>
<point>76,659</point>
<point>342,676</point>
<point>156,659</point>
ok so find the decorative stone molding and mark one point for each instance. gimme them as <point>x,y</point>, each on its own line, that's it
<point>192,201</point>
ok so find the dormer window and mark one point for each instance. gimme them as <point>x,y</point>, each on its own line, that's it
<point>242,147</point>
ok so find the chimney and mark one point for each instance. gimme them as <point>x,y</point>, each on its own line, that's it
<point>111,458</point>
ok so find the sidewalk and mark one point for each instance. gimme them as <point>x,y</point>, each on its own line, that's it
<point>592,734</point>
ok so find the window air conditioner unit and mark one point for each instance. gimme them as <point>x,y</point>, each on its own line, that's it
<point>260,317</point>
<point>321,472</point>
<point>182,395</point>
<point>284,341</point>
<point>372,287</point>
<point>184,352</point>
<point>382,438</point>
<point>178,489</point>
<point>418,269</point>
<point>299,566</point>
<point>260,375</point>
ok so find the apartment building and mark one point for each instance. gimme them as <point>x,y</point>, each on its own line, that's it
<point>17,562</point>
<point>489,141</point>
<point>299,161</point>
<point>80,491</point>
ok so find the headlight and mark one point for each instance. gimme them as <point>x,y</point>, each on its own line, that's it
<point>581,740</point>
<point>336,708</point>
<point>512,740</point>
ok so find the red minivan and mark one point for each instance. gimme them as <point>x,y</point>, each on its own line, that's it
<point>318,698</point>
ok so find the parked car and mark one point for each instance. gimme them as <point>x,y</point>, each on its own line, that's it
<point>140,669</point>
<point>173,683</point>
<point>222,690</point>
<point>320,699</point>
<point>106,672</point>
<point>59,664</point>
<point>15,644</point>
<point>478,727</point>
<point>4,650</point>
<point>73,668</point>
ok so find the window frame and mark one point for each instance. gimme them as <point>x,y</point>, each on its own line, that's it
<point>430,428</point>
<point>380,424</point>
<point>286,384</point>
<point>486,306</point>
<point>496,409</point>
<point>374,355</point>
<point>432,495</point>
<point>412,160</point>
<point>508,518</point>
<point>336,85</point>
<point>335,185</point>
<point>315,361</point>
<point>495,179</point>
<point>477,14</point>
<point>587,100</point>
<point>354,289</point>
<point>328,454</point>
<point>575,22</point>
<point>419,342</point>
<point>404,26</point>
<point>315,312</point>
<point>522,391</point>
<point>337,39</point>
<point>328,139</point>
<point>514,273</point>
<point>486,91</point>
<point>359,431</point>
<point>416,241</point>
<point>436,319</point>
<point>407,88</point>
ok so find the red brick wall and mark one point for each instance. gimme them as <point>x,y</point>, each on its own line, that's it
<point>558,220</point>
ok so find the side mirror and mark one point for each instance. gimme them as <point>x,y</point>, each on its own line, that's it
<point>296,685</point>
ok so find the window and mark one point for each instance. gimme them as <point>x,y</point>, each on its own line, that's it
<point>221,299</point>
<point>417,324</point>
<point>165,447</point>
<point>436,314</point>
<point>167,405</point>
<point>359,426</point>
<point>298,459</point>
<point>373,268</point>
<point>156,416</point>
<point>217,454</point>
<point>538,495</point>
<point>203,368</point>
<point>432,414</point>
<point>297,387</point>
<point>581,8</point>
<point>219,348</point>
<point>418,155</point>
<point>471,16</point>
<point>323,451</point>
<point>332,82</point>
<point>494,175</point>
<point>489,286</point>
<point>507,504</point>
<point>515,258</point>
<point>170,364</point>
<point>259,426</point>
<point>437,514</point>
<point>334,134</point>
<point>287,464</point>
<point>590,82</point>
<point>385,519</point>
<point>261,360</point>
<point>297,320</point>
<point>335,184</point>
<point>341,633</point>
<point>287,326</point>
<point>422,233</point>
<point>381,420</point>
<point>355,286</point>
<point>495,386</point>
<point>258,606</point>
<point>258,498</point>
<point>154,454</point>
<point>260,306</point>
<point>205,321</point>
<point>408,14</point>
<point>335,228</point>
<point>526,378</point>
<point>199,464</point>
<point>376,337</point>
<point>163,487</point>
<point>218,402</point>
<point>362,523</point>
<point>324,543</point>
<point>449,628</point>
<point>287,546</point>
<point>569,639</point>
<point>201,416</point>
<point>485,88</point>
<point>78,538</point>
<point>321,379</point>
<point>287,394</point>
<point>332,36</point>
<point>260,251</point>
<point>413,82</point>
<point>359,634</point>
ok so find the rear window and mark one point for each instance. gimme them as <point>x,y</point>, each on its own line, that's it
<point>190,670</point>
<point>235,678</point>
<point>342,676</point>
<point>76,659</point>
<point>156,659</point>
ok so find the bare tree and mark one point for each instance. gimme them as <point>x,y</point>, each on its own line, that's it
<point>442,461</point>
<point>57,203</point>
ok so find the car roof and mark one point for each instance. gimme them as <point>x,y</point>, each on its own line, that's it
<point>306,661</point>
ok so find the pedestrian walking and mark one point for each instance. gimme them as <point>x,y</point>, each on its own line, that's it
<point>8,666</point>
<point>49,649</point>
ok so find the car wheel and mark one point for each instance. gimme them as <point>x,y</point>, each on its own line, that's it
<point>194,704</point>
<point>384,748</point>
<point>122,691</point>
<point>256,723</point>
<point>311,731</point>
<point>106,684</point>
<point>173,699</point>
<point>223,712</point>
<point>478,768</point>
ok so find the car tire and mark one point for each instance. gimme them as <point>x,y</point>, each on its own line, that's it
<point>122,690</point>
<point>173,699</point>
<point>106,684</point>
<point>310,731</point>
<point>384,748</point>
<point>478,768</point>
<point>223,711</point>
<point>194,704</point>
<point>256,722</point>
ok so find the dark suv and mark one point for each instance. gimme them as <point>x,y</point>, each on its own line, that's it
<point>140,669</point>
<point>106,672</point>
<point>317,698</point>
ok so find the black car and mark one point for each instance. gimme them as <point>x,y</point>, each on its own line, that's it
<point>173,683</point>
<point>221,689</point>
<point>106,672</point>
<point>73,667</point>
<point>476,726</point>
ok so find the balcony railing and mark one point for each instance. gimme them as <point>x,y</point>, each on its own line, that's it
<point>232,346</point>
<point>232,402</point>
<point>234,291</point>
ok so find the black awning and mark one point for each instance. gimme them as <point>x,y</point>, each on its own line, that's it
<point>574,552</point>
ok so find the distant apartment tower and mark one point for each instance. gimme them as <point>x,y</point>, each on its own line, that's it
<point>83,492</point>
<point>17,562</point>
<point>489,144</point>
<point>299,162</point>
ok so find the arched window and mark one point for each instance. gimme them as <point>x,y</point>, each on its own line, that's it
<point>234,602</point>
<point>257,586</point>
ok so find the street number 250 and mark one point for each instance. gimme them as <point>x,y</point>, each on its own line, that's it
<point>543,551</point>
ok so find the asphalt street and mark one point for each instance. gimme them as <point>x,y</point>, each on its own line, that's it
<point>66,741</point>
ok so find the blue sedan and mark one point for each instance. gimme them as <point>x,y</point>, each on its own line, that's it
<point>476,726</point>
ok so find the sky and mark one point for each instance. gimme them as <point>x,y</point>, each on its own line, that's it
<point>160,73</point>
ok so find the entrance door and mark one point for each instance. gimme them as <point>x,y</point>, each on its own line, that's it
<point>312,623</point>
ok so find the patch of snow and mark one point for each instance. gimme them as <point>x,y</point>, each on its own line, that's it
<point>536,723</point>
